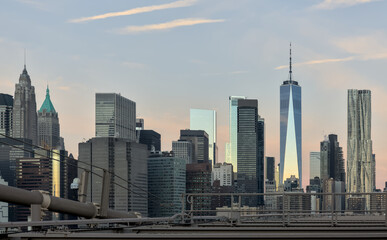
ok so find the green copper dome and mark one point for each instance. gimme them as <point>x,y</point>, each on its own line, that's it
<point>47,104</point>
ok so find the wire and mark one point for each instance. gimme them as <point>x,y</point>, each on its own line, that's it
<point>30,151</point>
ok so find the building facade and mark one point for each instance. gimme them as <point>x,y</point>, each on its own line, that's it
<point>224,173</point>
<point>24,119</point>
<point>314,165</point>
<point>270,168</point>
<point>199,140</point>
<point>125,159</point>
<point>290,128</point>
<point>6,112</point>
<point>150,138</point>
<point>166,184</point>
<point>203,119</point>
<point>359,143</point>
<point>48,124</point>
<point>233,131</point>
<point>250,151</point>
<point>331,159</point>
<point>198,180</point>
<point>183,149</point>
<point>115,116</point>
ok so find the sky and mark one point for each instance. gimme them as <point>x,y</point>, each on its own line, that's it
<point>172,55</point>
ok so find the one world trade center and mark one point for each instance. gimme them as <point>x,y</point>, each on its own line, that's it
<point>290,128</point>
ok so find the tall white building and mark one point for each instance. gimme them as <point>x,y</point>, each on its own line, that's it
<point>224,173</point>
<point>115,116</point>
<point>359,145</point>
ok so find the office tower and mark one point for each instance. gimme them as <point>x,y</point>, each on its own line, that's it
<point>359,145</point>
<point>221,200</point>
<point>183,149</point>
<point>290,128</point>
<point>166,184</point>
<point>224,173</point>
<point>115,116</point>
<point>233,130</point>
<point>203,119</point>
<point>250,150</point>
<point>291,184</point>
<point>33,174</point>
<point>338,201</point>
<point>140,124</point>
<point>24,119</point>
<point>270,165</point>
<point>314,165</point>
<point>199,139</point>
<point>150,138</point>
<point>48,124</point>
<point>331,159</point>
<point>6,106</point>
<point>125,159</point>
<point>198,180</point>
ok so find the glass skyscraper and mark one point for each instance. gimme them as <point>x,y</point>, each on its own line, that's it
<point>115,116</point>
<point>231,147</point>
<point>290,129</point>
<point>250,151</point>
<point>203,119</point>
<point>314,165</point>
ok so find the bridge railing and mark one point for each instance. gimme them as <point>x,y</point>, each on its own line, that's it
<point>286,208</point>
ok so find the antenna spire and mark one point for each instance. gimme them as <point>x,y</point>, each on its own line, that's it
<point>290,62</point>
<point>25,58</point>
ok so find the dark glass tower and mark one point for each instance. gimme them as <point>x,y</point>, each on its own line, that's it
<point>250,151</point>
<point>290,128</point>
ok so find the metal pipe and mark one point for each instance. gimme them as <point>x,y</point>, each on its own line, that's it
<point>55,204</point>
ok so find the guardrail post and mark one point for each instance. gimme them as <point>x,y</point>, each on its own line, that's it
<point>232,208</point>
<point>333,204</point>
<point>283,209</point>
<point>192,209</point>
<point>239,208</point>
<point>288,210</point>
<point>182,207</point>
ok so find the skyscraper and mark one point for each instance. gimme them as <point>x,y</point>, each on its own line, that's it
<point>203,119</point>
<point>250,150</point>
<point>125,159</point>
<point>48,124</point>
<point>166,183</point>
<point>24,122</point>
<point>6,106</point>
<point>183,149</point>
<point>115,116</point>
<point>314,165</point>
<point>233,131</point>
<point>290,128</point>
<point>270,168</point>
<point>199,140</point>
<point>331,159</point>
<point>150,138</point>
<point>359,145</point>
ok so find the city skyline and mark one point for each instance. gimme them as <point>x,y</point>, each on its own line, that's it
<point>341,59</point>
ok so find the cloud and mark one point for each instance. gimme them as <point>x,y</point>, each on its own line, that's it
<point>320,61</point>
<point>133,65</point>
<point>177,4</point>
<point>333,4</point>
<point>35,4</point>
<point>167,25</point>
<point>64,88</point>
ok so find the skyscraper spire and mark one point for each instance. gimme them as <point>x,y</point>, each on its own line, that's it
<point>25,59</point>
<point>290,63</point>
